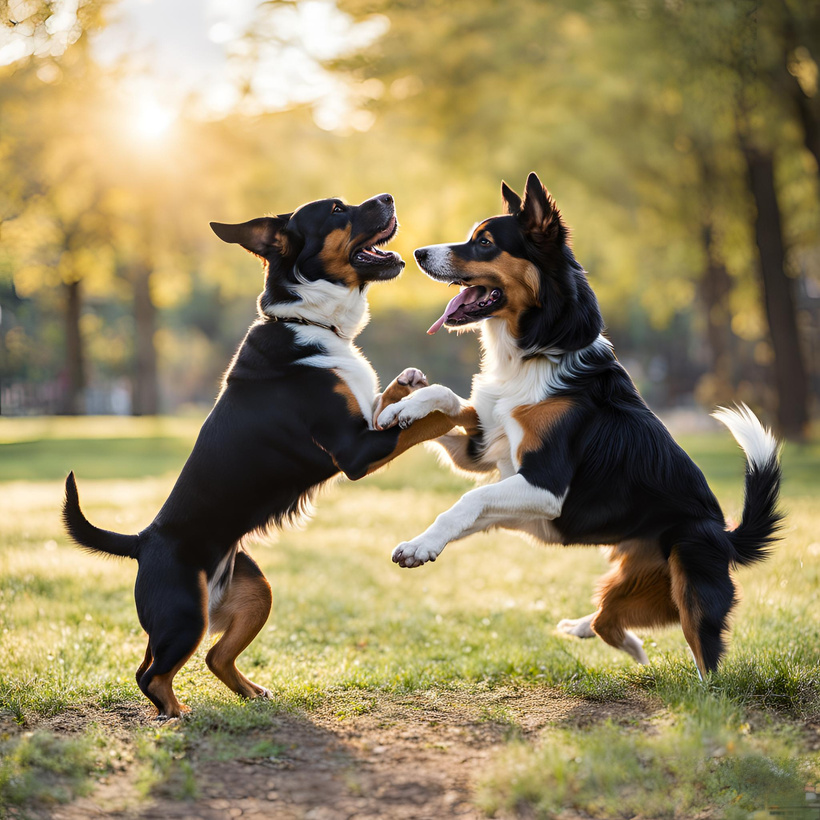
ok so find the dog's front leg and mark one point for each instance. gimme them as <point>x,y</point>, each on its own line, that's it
<point>465,452</point>
<point>421,403</point>
<point>358,451</point>
<point>494,505</point>
<point>409,380</point>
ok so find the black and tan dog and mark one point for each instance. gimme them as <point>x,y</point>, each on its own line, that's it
<point>296,409</point>
<point>580,458</point>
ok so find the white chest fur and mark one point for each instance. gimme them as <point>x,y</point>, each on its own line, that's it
<point>347,361</point>
<point>508,381</point>
<point>328,303</point>
<point>494,401</point>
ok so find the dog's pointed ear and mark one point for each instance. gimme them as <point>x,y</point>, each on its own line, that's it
<point>512,202</point>
<point>539,212</point>
<point>263,236</point>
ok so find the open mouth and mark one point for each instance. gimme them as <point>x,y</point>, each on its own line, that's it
<point>472,303</point>
<point>372,254</point>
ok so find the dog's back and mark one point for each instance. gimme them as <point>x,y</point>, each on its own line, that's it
<point>580,457</point>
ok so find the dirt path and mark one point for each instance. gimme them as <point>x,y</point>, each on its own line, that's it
<point>419,756</point>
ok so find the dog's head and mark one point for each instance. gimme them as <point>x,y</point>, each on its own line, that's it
<point>519,268</point>
<point>327,240</point>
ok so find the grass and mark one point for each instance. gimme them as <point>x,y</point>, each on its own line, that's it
<point>608,771</point>
<point>346,620</point>
<point>42,767</point>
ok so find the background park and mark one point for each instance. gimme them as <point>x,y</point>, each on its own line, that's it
<point>681,140</point>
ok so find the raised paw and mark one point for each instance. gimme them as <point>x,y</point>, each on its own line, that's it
<point>409,380</point>
<point>411,554</point>
<point>417,405</point>
<point>412,377</point>
<point>395,414</point>
<point>579,627</point>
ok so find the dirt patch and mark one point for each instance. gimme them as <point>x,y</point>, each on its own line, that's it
<point>360,755</point>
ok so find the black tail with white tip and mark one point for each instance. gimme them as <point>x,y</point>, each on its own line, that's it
<point>759,528</point>
<point>88,536</point>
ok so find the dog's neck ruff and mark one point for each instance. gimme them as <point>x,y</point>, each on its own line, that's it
<point>326,305</point>
<point>503,362</point>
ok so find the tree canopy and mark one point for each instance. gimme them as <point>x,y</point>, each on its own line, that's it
<point>655,124</point>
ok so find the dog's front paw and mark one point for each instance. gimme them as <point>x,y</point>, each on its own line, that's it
<point>398,413</point>
<point>412,377</point>
<point>418,405</point>
<point>414,553</point>
<point>409,380</point>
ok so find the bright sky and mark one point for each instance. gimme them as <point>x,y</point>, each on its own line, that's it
<point>184,47</point>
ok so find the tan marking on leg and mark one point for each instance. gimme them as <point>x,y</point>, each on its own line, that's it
<point>429,428</point>
<point>146,662</point>
<point>241,614</point>
<point>335,256</point>
<point>689,607</point>
<point>537,420</point>
<point>162,686</point>
<point>635,593</point>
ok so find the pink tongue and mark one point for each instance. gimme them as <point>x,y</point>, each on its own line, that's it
<point>452,306</point>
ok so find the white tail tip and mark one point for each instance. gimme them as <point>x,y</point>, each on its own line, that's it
<point>756,441</point>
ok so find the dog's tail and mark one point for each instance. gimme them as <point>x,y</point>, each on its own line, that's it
<point>760,525</point>
<point>88,536</point>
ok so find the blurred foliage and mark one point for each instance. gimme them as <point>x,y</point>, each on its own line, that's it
<point>630,111</point>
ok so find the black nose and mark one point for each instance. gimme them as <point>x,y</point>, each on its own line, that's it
<point>420,254</point>
<point>386,199</point>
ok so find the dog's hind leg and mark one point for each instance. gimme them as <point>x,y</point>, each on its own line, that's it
<point>146,662</point>
<point>578,627</point>
<point>240,614</point>
<point>637,593</point>
<point>704,593</point>
<point>175,623</point>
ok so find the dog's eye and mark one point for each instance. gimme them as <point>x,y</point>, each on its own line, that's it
<point>484,241</point>
<point>337,208</point>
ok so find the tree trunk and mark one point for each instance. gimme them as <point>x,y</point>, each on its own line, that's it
<point>73,403</point>
<point>795,37</point>
<point>145,399</point>
<point>714,288</point>
<point>809,120</point>
<point>779,297</point>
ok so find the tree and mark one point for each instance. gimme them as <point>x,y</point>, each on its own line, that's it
<point>639,105</point>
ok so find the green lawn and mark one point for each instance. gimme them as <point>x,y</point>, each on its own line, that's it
<point>346,619</point>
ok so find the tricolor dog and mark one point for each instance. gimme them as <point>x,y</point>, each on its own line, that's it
<point>296,409</point>
<point>579,457</point>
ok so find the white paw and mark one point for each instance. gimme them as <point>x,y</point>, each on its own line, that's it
<point>387,417</point>
<point>403,413</point>
<point>633,645</point>
<point>579,627</point>
<point>417,405</point>
<point>414,553</point>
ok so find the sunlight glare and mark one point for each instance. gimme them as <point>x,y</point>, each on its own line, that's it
<point>152,120</point>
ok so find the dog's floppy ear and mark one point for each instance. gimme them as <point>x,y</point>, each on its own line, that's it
<point>539,214</point>
<point>263,236</point>
<point>512,202</point>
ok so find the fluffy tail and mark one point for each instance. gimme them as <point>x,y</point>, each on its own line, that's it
<point>758,530</point>
<point>86,534</point>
